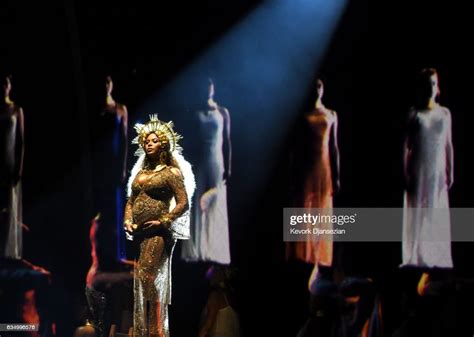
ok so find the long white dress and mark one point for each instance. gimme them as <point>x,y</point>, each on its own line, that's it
<point>426,218</point>
<point>209,227</point>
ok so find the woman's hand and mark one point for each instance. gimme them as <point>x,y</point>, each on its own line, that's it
<point>208,198</point>
<point>152,223</point>
<point>129,226</point>
<point>151,228</point>
<point>226,176</point>
<point>449,180</point>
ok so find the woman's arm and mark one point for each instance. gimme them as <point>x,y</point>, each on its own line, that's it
<point>227,142</point>
<point>176,184</point>
<point>124,149</point>
<point>128,216</point>
<point>20,144</point>
<point>407,150</point>
<point>335,154</point>
<point>449,151</point>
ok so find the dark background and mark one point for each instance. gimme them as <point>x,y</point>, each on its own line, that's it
<point>59,53</point>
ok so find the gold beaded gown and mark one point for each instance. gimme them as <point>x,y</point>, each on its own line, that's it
<point>150,200</point>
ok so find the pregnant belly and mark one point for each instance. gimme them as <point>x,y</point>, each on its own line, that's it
<point>147,209</point>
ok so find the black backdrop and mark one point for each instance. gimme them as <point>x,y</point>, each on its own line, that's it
<point>58,52</point>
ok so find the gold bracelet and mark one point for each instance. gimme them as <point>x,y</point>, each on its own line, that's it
<point>165,220</point>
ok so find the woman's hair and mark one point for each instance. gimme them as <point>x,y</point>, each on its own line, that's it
<point>312,94</point>
<point>4,78</point>
<point>428,72</point>
<point>424,77</point>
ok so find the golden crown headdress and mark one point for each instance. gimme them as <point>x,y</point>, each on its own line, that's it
<point>164,131</point>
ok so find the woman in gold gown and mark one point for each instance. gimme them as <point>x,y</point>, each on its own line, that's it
<point>156,215</point>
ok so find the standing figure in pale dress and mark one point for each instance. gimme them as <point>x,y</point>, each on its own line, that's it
<point>209,221</point>
<point>320,179</point>
<point>11,166</point>
<point>428,166</point>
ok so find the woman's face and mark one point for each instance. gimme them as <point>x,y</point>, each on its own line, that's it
<point>319,89</point>
<point>109,85</point>
<point>7,86</point>
<point>428,87</point>
<point>434,85</point>
<point>211,89</point>
<point>152,145</point>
